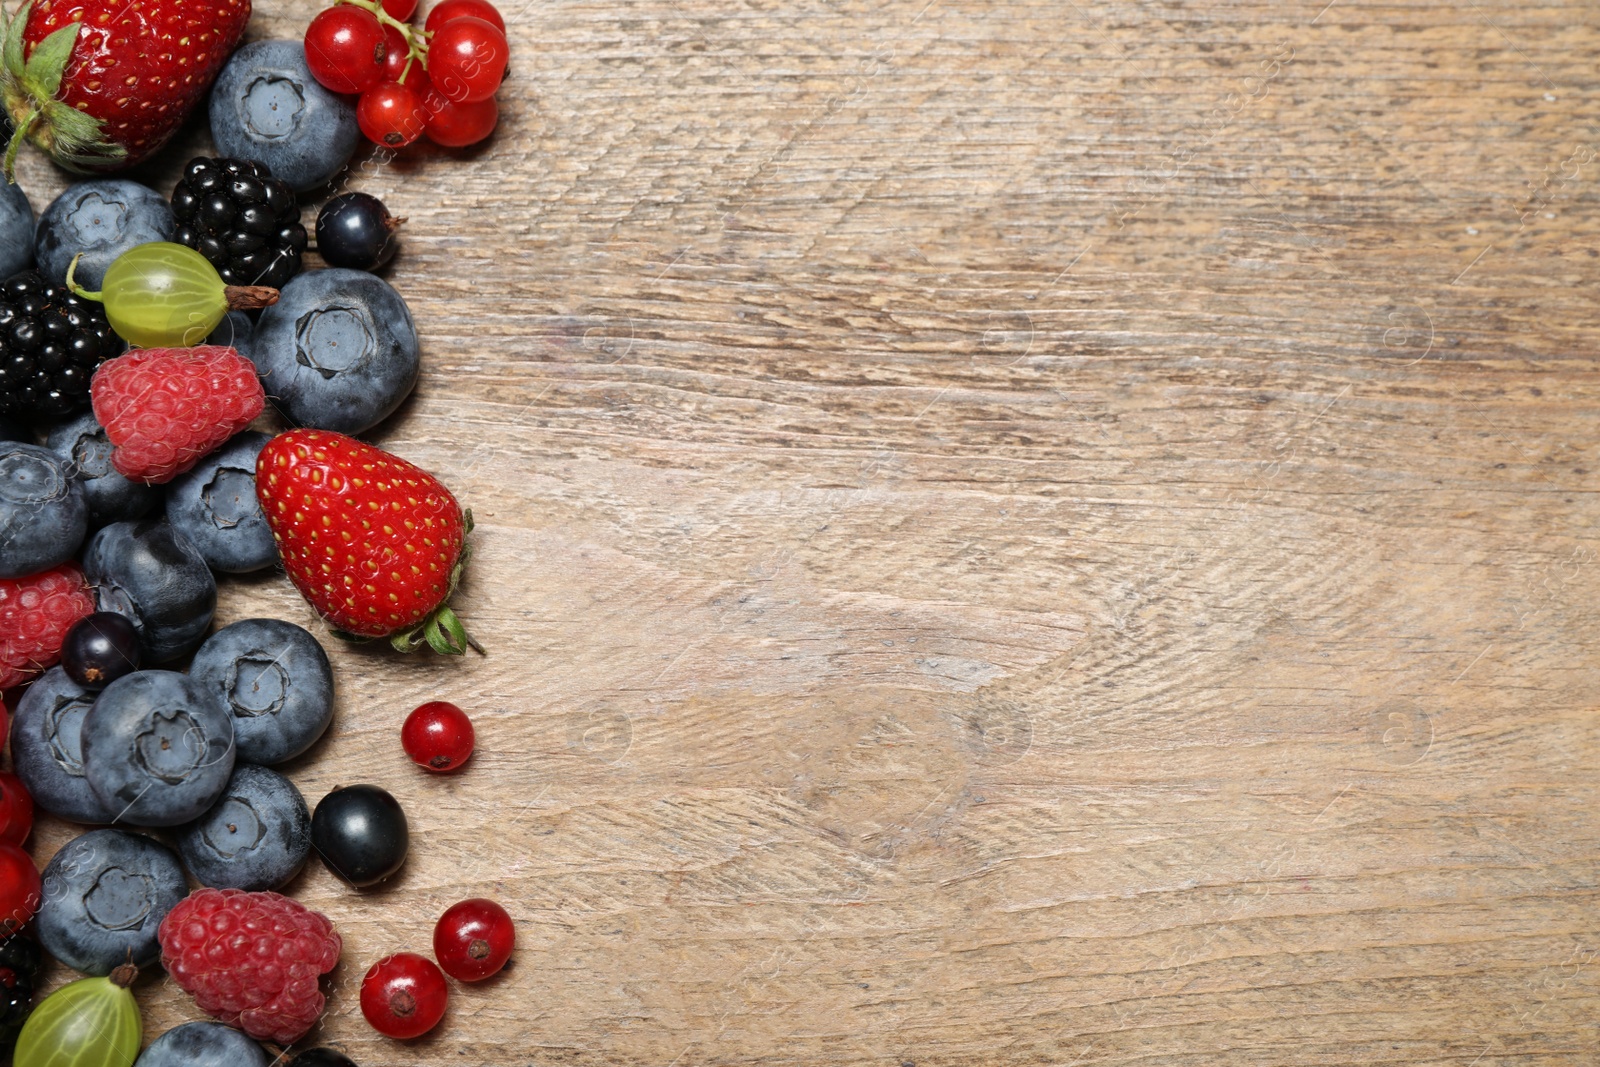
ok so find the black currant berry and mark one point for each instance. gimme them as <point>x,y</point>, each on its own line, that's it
<point>99,649</point>
<point>321,1057</point>
<point>355,230</point>
<point>360,832</point>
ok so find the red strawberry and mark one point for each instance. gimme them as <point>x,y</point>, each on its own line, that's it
<point>165,408</point>
<point>35,614</point>
<point>102,84</point>
<point>376,544</point>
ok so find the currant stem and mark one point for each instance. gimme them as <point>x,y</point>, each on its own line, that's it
<point>412,56</point>
<point>415,39</point>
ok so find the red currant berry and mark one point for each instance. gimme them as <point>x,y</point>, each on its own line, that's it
<point>404,995</point>
<point>458,125</point>
<point>396,54</point>
<point>345,49</point>
<point>398,57</point>
<point>467,60</point>
<point>400,10</point>
<point>418,80</point>
<point>391,114</point>
<point>446,10</point>
<point>438,736</point>
<point>20,890</point>
<point>16,809</point>
<point>474,939</point>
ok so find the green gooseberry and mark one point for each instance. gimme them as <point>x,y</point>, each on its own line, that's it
<point>166,295</point>
<point>94,1022</point>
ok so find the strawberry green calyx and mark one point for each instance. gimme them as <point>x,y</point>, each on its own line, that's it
<point>442,630</point>
<point>30,90</point>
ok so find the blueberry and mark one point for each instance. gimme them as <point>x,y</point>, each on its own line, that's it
<point>203,1045</point>
<point>275,679</point>
<point>266,106</point>
<point>150,572</point>
<point>111,497</point>
<point>105,893</point>
<point>256,837</point>
<point>233,331</point>
<point>338,351</point>
<point>214,505</point>
<point>360,832</point>
<point>16,230</point>
<point>355,230</point>
<point>47,748</point>
<point>158,748</point>
<point>102,219</point>
<point>43,516</point>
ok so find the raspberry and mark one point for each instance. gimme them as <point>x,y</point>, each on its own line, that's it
<point>251,960</point>
<point>165,408</point>
<point>35,614</point>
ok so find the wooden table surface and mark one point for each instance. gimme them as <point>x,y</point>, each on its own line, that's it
<point>1051,532</point>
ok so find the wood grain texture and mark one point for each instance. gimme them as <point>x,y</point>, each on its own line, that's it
<point>1009,533</point>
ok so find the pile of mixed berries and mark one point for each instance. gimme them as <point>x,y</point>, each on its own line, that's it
<point>438,81</point>
<point>152,348</point>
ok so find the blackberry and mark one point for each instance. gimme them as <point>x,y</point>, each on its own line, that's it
<point>242,219</point>
<point>50,344</point>
<point>19,965</point>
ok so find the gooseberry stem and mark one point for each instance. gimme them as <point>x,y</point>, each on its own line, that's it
<point>78,290</point>
<point>249,297</point>
<point>123,975</point>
